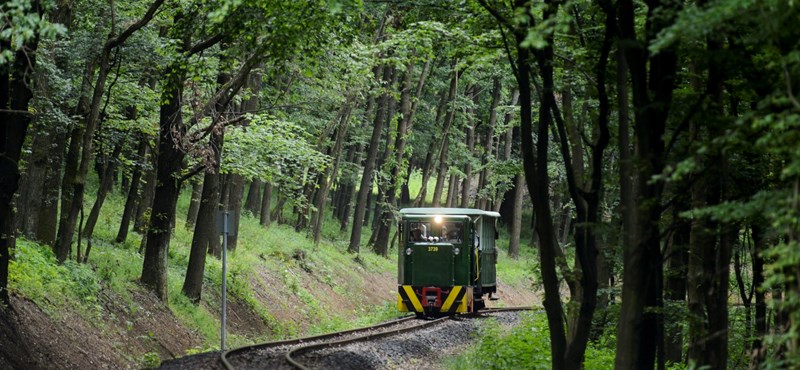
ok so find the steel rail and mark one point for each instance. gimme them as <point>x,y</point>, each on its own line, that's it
<point>365,338</point>
<point>225,357</point>
<point>227,364</point>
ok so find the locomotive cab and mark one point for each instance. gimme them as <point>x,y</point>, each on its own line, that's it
<point>446,260</point>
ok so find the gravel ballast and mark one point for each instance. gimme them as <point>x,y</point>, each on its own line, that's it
<point>417,349</point>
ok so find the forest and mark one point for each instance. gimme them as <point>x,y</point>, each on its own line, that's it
<point>652,146</point>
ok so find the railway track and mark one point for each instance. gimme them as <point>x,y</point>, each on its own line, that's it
<point>303,352</point>
<point>273,353</point>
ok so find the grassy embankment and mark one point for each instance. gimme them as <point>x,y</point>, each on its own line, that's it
<point>277,258</point>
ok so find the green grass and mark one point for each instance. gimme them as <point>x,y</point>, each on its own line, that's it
<point>294,265</point>
<point>520,271</point>
<point>414,185</point>
<point>525,346</point>
<point>35,274</point>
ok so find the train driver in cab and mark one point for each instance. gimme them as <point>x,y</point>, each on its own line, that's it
<point>418,232</point>
<point>454,233</point>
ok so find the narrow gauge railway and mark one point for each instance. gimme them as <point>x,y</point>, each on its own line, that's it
<point>305,353</point>
<point>272,355</point>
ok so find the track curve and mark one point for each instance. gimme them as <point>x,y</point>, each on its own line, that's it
<point>289,353</point>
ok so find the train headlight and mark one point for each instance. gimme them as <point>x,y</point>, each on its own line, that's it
<point>456,251</point>
<point>408,251</point>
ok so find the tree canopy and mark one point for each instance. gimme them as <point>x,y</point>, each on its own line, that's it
<point>652,146</point>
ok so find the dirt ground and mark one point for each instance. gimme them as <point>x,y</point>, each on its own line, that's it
<point>117,338</point>
<point>138,332</point>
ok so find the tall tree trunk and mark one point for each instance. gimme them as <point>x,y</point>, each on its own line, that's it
<point>170,163</point>
<point>170,158</point>
<point>430,159</point>
<point>29,197</point>
<point>345,216</point>
<point>628,179</point>
<point>47,224</point>
<point>253,82</point>
<point>653,78</point>
<point>15,94</point>
<point>383,184</point>
<point>745,291</point>
<point>106,183</point>
<point>488,144</point>
<point>277,212</point>
<point>329,176</point>
<point>445,146</point>
<point>47,220</point>
<point>566,353</point>
<point>405,192</point>
<point>145,206</point>
<point>452,191</point>
<point>516,223</point>
<point>441,175</point>
<point>253,202</point>
<point>535,160</point>
<point>759,245</point>
<point>266,198</point>
<point>365,187</point>
<point>133,191</point>
<point>344,191</point>
<point>472,122</point>
<point>194,203</point>
<point>205,230</point>
<point>675,283</point>
<point>235,208</point>
<point>584,191</point>
<point>71,162</point>
<point>78,182</point>
<point>438,150</point>
<point>407,111</point>
<point>710,245</point>
<point>504,202</point>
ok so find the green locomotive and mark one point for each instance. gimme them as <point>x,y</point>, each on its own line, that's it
<point>447,259</point>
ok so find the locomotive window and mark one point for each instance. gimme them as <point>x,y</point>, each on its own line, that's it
<point>451,231</point>
<point>418,231</point>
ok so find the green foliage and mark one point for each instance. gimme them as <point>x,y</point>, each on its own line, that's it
<point>519,272</point>
<point>697,21</point>
<point>272,150</point>
<point>150,360</point>
<point>525,346</point>
<point>740,337</point>
<point>35,274</point>
<point>22,22</point>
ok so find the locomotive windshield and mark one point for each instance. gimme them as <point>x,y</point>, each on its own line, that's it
<point>419,231</point>
<point>452,232</point>
<point>426,232</point>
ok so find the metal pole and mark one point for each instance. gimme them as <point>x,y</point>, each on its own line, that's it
<point>224,276</point>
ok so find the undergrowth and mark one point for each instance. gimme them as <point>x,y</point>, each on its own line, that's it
<point>268,264</point>
<point>115,268</point>
<point>525,346</point>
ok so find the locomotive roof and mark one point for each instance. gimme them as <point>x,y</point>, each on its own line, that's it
<point>448,211</point>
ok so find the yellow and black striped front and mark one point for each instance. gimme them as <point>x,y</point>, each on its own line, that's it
<point>457,299</point>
